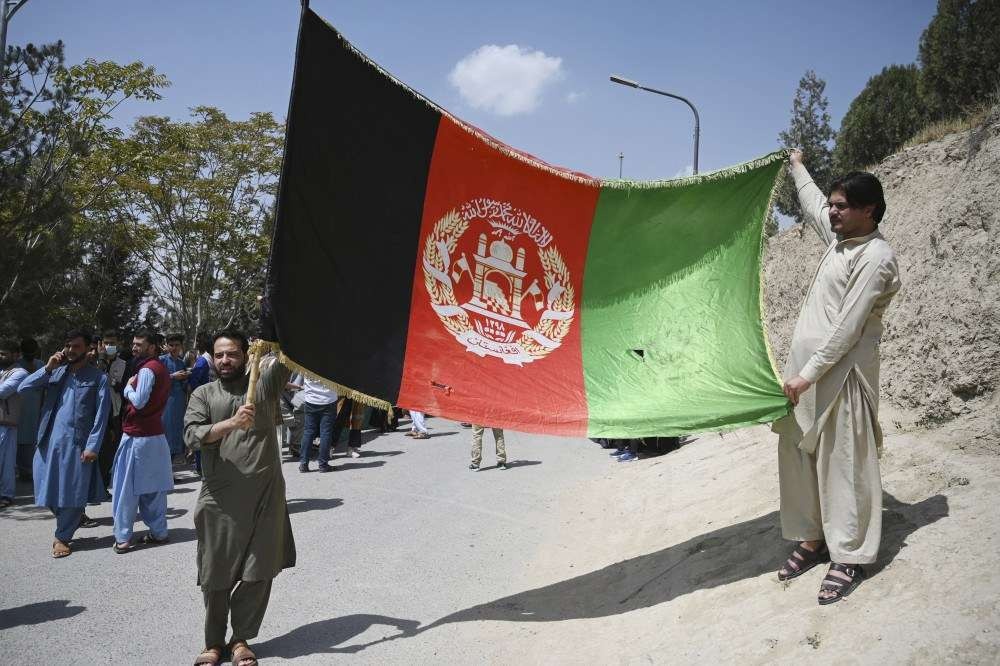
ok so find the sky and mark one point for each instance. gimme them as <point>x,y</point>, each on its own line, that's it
<point>532,74</point>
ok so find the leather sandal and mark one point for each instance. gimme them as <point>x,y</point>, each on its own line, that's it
<point>802,560</point>
<point>838,586</point>
<point>239,652</point>
<point>210,656</point>
<point>60,549</point>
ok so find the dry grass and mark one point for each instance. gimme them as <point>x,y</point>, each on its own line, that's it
<point>969,121</point>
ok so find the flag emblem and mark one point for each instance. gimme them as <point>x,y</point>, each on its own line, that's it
<point>497,282</point>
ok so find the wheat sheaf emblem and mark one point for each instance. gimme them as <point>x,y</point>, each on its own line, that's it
<point>517,344</point>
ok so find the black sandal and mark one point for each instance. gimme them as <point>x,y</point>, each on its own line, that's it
<point>122,548</point>
<point>841,588</point>
<point>805,561</point>
<point>151,540</point>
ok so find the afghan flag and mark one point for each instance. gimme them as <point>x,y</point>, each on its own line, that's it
<point>419,262</point>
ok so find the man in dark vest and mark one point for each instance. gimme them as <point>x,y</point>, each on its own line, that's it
<point>142,471</point>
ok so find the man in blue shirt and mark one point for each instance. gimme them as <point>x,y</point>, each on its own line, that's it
<point>173,415</point>
<point>74,414</point>
<point>11,376</point>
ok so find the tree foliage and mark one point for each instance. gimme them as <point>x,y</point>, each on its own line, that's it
<point>198,202</point>
<point>809,130</point>
<point>54,174</point>
<point>960,56</point>
<point>880,119</point>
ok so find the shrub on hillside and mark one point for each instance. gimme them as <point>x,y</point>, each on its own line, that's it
<point>887,112</point>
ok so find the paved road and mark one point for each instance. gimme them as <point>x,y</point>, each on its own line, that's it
<point>387,545</point>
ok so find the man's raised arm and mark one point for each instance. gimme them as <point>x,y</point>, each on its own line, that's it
<point>815,209</point>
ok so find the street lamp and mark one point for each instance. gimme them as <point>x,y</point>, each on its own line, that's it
<point>7,10</point>
<point>697,122</point>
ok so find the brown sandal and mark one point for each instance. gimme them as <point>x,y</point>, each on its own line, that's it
<point>802,560</point>
<point>211,656</point>
<point>240,651</point>
<point>60,549</point>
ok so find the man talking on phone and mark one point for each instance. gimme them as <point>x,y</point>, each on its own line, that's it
<point>74,415</point>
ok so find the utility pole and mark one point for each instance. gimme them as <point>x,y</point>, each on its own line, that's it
<point>7,12</point>
<point>621,158</point>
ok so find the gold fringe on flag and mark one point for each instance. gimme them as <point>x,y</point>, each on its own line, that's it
<point>343,391</point>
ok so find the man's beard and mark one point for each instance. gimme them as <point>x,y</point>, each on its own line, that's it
<point>237,371</point>
<point>6,364</point>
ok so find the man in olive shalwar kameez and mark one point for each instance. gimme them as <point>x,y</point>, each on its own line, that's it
<point>244,535</point>
<point>828,447</point>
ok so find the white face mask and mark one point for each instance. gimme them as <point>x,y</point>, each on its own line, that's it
<point>110,350</point>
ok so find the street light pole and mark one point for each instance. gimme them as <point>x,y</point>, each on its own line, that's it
<point>621,158</point>
<point>697,121</point>
<point>7,11</point>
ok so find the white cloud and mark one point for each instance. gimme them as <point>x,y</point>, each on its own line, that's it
<point>573,97</point>
<point>685,172</point>
<point>505,80</point>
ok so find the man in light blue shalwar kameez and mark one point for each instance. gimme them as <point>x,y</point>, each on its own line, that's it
<point>173,415</point>
<point>142,473</point>
<point>74,415</point>
<point>11,377</point>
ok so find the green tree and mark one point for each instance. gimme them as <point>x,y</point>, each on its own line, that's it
<point>810,131</point>
<point>960,56</point>
<point>198,201</point>
<point>53,123</point>
<point>880,119</point>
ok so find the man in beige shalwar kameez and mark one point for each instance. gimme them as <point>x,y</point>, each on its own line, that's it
<point>831,490</point>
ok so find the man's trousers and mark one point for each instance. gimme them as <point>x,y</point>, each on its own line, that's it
<point>246,602</point>
<point>835,493</point>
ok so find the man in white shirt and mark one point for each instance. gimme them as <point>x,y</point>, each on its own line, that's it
<point>828,447</point>
<point>319,412</point>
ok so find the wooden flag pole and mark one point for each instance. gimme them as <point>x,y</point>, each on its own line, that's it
<point>257,348</point>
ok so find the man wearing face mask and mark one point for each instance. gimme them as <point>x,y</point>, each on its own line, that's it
<point>142,473</point>
<point>71,428</point>
<point>11,376</point>
<point>109,359</point>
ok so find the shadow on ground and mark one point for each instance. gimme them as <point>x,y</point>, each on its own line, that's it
<point>726,555</point>
<point>45,611</point>
<point>356,465</point>
<point>82,542</point>
<point>516,463</point>
<point>324,636</point>
<point>313,504</point>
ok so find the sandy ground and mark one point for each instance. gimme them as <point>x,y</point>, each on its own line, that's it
<point>405,557</point>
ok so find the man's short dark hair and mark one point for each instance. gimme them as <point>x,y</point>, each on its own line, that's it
<point>87,336</point>
<point>175,337</point>
<point>203,342</point>
<point>29,348</point>
<point>232,334</point>
<point>11,346</point>
<point>862,189</point>
<point>110,334</point>
<point>147,335</point>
